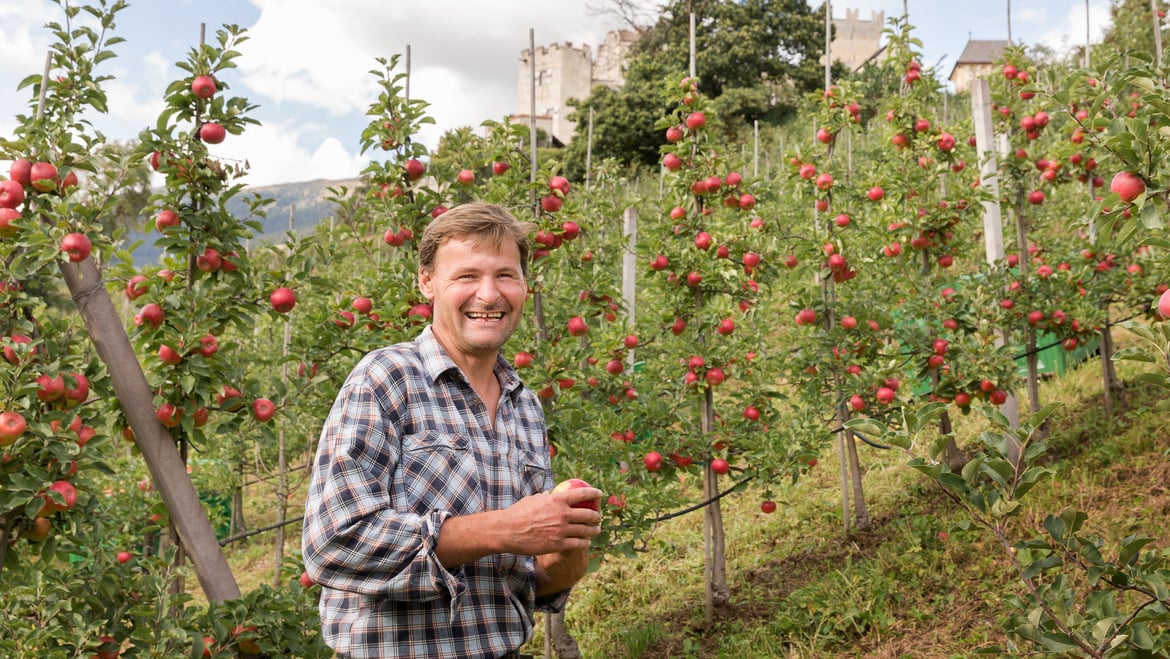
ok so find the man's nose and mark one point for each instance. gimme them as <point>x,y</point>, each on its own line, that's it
<point>488,290</point>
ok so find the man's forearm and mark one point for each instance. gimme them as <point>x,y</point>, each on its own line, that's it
<point>468,538</point>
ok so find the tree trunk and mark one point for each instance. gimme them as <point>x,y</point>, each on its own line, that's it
<point>1113,385</point>
<point>239,523</point>
<point>861,520</point>
<point>717,591</point>
<point>562,641</point>
<point>6,535</point>
<point>952,456</point>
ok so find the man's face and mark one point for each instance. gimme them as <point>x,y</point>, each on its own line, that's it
<point>477,292</point>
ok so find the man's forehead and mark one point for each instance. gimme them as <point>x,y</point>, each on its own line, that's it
<point>485,245</point>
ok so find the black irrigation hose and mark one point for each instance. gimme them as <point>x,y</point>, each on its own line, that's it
<point>702,504</point>
<point>663,518</point>
<point>263,529</point>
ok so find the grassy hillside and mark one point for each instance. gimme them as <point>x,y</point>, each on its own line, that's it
<point>912,586</point>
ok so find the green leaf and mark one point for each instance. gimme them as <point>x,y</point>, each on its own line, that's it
<point>1135,354</point>
<point>1038,566</point>
<point>1131,548</point>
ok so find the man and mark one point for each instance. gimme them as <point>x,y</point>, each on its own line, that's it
<point>428,523</point>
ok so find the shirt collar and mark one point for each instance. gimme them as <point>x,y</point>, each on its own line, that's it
<point>436,362</point>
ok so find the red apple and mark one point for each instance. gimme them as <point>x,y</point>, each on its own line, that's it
<point>768,507</point>
<point>209,261</point>
<point>11,194</point>
<point>715,376</point>
<point>559,184</point>
<point>169,355</point>
<point>551,203</point>
<point>806,317</point>
<point>415,169</point>
<point>1163,305</point>
<point>720,466</point>
<point>652,461</point>
<point>41,528</point>
<point>703,240</point>
<point>77,246</point>
<point>136,287</point>
<point>283,299</point>
<point>51,387</point>
<point>124,557</point>
<point>203,86</point>
<point>522,359</point>
<point>696,120</point>
<point>1127,185</point>
<point>166,218</point>
<point>152,314</point>
<point>574,483</point>
<point>67,493</point>
<point>20,171</point>
<point>169,415</point>
<point>263,409</point>
<point>12,426</point>
<point>465,177</point>
<point>875,193</point>
<point>208,345</point>
<point>42,176</point>
<point>499,168</point>
<point>362,305</point>
<point>212,133</point>
<point>577,326</point>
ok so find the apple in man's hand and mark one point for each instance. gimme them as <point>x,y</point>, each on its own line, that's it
<point>574,483</point>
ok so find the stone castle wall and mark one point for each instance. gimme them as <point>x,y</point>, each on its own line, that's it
<point>565,71</point>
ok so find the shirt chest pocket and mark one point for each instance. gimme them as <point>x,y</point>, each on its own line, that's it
<point>532,477</point>
<point>438,471</point>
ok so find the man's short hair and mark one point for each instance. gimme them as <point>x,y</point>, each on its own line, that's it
<point>482,224</point>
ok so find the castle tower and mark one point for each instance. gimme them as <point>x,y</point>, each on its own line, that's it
<point>855,41</point>
<point>562,72</point>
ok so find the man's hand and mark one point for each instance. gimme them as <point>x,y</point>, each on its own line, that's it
<point>548,522</point>
<point>545,523</point>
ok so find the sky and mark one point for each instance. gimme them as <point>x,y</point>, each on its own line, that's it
<point>306,63</point>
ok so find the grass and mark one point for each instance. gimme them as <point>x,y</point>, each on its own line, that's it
<point>911,586</point>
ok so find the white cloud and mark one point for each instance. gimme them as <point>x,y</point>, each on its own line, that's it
<point>275,154</point>
<point>1070,30</point>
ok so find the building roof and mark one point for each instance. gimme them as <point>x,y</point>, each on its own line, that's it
<point>981,51</point>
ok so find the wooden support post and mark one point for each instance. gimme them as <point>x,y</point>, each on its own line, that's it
<point>167,469</point>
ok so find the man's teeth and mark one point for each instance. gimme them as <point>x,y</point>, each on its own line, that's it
<point>494,315</point>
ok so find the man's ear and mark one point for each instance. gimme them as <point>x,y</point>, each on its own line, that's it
<point>426,285</point>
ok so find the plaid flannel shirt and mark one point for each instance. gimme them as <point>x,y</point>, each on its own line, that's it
<point>408,444</point>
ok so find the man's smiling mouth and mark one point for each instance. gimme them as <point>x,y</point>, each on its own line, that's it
<point>485,315</point>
